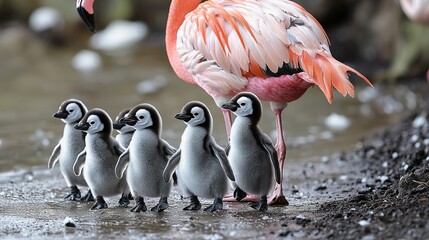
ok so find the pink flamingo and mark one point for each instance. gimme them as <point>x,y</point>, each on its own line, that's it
<point>417,10</point>
<point>273,48</point>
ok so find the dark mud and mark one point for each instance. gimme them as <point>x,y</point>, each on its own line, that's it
<point>389,191</point>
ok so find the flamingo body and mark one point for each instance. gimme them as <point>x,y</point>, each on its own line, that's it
<point>227,46</point>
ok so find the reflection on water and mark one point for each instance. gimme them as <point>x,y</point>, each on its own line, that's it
<point>33,86</point>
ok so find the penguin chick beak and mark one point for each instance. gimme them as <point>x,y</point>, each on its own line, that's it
<point>61,114</point>
<point>231,106</point>
<point>183,116</point>
<point>83,126</point>
<point>131,121</point>
<point>118,125</point>
<point>86,12</point>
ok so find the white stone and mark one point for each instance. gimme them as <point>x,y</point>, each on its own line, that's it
<point>337,122</point>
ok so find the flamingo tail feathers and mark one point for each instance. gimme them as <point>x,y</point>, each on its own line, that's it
<point>327,73</point>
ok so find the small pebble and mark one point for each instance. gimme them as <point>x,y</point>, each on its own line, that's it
<point>69,222</point>
<point>364,223</point>
<point>419,121</point>
<point>384,178</point>
<point>337,122</point>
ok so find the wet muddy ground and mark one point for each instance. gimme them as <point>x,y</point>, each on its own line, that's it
<point>392,202</point>
<point>378,190</point>
<point>332,194</point>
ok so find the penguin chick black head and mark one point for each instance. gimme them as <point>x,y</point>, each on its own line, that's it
<point>245,104</point>
<point>95,121</point>
<point>71,111</point>
<point>119,123</point>
<point>196,114</point>
<point>144,116</point>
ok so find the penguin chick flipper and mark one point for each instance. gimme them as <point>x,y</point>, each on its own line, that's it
<point>54,156</point>
<point>272,152</point>
<point>217,205</point>
<point>78,165</point>
<point>118,148</point>
<point>227,148</point>
<point>122,164</point>
<point>262,205</point>
<point>171,165</point>
<point>99,203</point>
<point>167,148</point>
<point>161,206</point>
<point>223,159</point>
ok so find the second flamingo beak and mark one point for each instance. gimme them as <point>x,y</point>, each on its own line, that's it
<point>84,8</point>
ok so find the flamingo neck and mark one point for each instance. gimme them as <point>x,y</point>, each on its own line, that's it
<point>176,16</point>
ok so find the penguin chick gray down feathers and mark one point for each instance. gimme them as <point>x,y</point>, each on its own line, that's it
<point>145,158</point>
<point>252,155</point>
<point>201,165</point>
<point>99,159</point>
<point>70,145</point>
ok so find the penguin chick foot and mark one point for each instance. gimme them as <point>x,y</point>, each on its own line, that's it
<point>217,205</point>
<point>161,206</point>
<point>74,194</point>
<point>195,204</point>
<point>99,203</point>
<point>262,205</point>
<point>248,198</point>
<point>88,197</point>
<point>239,194</point>
<point>140,205</point>
<point>124,201</point>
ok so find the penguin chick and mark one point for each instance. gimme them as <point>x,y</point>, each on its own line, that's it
<point>201,165</point>
<point>99,158</point>
<point>125,132</point>
<point>145,158</point>
<point>70,145</point>
<point>252,155</point>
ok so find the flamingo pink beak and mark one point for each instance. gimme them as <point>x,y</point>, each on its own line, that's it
<point>86,12</point>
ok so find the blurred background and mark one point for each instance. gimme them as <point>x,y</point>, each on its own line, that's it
<point>48,56</point>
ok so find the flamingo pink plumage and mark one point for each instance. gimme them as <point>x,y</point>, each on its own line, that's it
<point>273,48</point>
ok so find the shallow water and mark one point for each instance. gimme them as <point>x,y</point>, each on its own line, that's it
<point>33,85</point>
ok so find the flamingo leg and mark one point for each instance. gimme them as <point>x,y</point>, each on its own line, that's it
<point>227,119</point>
<point>277,198</point>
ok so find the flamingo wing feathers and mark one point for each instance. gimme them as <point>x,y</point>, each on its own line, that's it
<point>223,42</point>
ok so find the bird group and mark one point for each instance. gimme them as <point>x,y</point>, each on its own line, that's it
<point>272,48</point>
<point>138,163</point>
